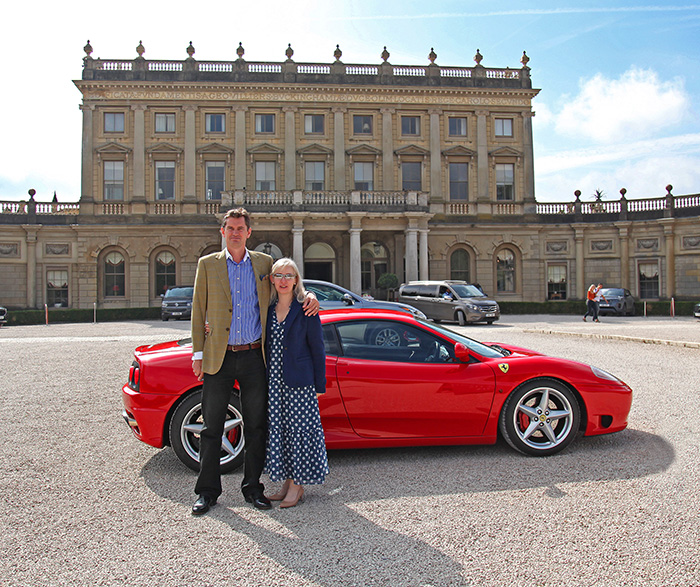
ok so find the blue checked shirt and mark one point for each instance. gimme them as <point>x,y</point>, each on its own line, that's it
<point>245,320</point>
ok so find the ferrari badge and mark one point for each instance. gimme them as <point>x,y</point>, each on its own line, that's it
<point>503,367</point>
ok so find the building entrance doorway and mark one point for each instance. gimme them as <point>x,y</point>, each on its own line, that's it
<point>322,270</point>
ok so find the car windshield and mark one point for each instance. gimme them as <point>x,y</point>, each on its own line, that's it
<point>478,347</point>
<point>325,293</point>
<point>466,291</point>
<point>612,291</point>
<point>179,292</point>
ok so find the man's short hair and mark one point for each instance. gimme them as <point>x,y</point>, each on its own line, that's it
<point>237,213</point>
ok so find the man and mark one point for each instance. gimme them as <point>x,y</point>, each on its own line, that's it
<point>231,295</point>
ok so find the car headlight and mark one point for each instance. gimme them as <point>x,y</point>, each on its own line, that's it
<point>472,307</point>
<point>604,374</point>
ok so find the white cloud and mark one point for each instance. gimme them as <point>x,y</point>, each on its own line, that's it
<point>643,178</point>
<point>635,106</point>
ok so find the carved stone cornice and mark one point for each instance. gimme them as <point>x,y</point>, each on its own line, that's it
<point>153,92</point>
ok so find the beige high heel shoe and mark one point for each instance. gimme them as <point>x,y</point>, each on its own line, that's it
<point>282,493</point>
<point>292,502</point>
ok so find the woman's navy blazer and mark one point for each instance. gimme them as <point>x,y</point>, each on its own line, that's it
<point>303,355</point>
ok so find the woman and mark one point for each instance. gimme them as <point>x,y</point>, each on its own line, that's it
<point>296,363</point>
<point>591,303</point>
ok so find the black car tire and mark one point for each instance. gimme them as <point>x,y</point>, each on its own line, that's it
<point>185,440</point>
<point>526,421</point>
<point>461,318</point>
<point>164,318</point>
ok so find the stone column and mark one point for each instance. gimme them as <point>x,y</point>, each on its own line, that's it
<point>411,233</point>
<point>290,153</point>
<point>355,254</point>
<point>580,284</point>
<point>528,164</point>
<point>240,149</point>
<point>423,248</point>
<point>190,155</point>
<point>482,156</point>
<point>339,148</point>
<point>31,265</point>
<point>298,241</point>
<point>670,256</point>
<point>139,187</point>
<point>623,231</point>
<point>387,149</point>
<point>435,157</point>
<point>87,200</point>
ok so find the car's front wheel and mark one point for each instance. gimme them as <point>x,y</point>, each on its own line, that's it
<point>540,418</point>
<point>186,425</point>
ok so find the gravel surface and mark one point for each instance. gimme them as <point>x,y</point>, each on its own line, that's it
<point>85,503</point>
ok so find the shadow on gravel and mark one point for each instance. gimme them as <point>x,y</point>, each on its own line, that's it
<point>327,539</point>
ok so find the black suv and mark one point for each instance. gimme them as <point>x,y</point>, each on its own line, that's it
<point>177,303</point>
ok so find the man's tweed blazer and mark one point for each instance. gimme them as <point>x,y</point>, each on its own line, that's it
<point>212,304</point>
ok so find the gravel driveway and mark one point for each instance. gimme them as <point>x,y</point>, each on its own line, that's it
<point>85,503</point>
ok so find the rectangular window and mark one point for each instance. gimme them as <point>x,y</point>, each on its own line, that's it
<point>57,289</point>
<point>649,280</point>
<point>556,282</point>
<point>313,124</point>
<point>364,176</point>
<point>114,122</point>
<point>265,123</point>
<point>504,127</point>
<point>459,184</point>
<point>505,182</point>
<point>265,176</point>
<point>215,175</point>
<point>165,122</point>
<point>411,176</point>
<point>410,125</point>
<point>165,180</point>
<point>113,180</point>
<point>457,126</point>
<point>361,124</point>
<point>315,175</point>
<point>215,122</point>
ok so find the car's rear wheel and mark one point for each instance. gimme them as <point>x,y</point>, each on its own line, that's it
<point>540,418</point>
<point>186,424</point>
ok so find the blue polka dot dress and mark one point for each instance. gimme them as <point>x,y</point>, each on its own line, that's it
<point>296,447</point>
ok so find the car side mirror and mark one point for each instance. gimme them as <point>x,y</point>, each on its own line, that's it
<point>348,300</point>
<point>462,352</point>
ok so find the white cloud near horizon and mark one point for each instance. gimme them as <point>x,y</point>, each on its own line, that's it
<point>637,105</point>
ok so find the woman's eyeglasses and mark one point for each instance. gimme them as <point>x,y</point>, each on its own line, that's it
<point>283,276</point>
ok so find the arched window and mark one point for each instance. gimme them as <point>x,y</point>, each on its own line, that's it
<point>114,275</point>
<point>375,263</point>
<point>165,272</point>
<point>505,271</point>
<point>459,265</point>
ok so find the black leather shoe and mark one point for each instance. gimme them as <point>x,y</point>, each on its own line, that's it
<point>259,501</point>
<point>202,505</point>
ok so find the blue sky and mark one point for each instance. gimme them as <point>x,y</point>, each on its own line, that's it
<point>620,81</point>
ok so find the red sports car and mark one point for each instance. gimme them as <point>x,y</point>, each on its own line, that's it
<point>394,380</point>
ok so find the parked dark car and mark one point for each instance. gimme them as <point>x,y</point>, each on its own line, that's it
<point>451,301</point>
<point>177,303</point>
<point>3,315</point>
<point>333,297</point>
<point>696,311</point>
<point>617,301</point>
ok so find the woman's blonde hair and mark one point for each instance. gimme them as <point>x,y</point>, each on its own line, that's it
<point>299,291</point>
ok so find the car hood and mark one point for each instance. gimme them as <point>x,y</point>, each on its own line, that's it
<point>169,347</point>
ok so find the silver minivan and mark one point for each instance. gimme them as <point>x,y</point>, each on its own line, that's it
<point>450,301</point>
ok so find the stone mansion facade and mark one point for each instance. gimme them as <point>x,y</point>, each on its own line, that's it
<point>352,170</point>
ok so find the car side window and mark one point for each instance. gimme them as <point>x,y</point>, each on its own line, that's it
<point>330,340</point>
<point>393,341</point>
